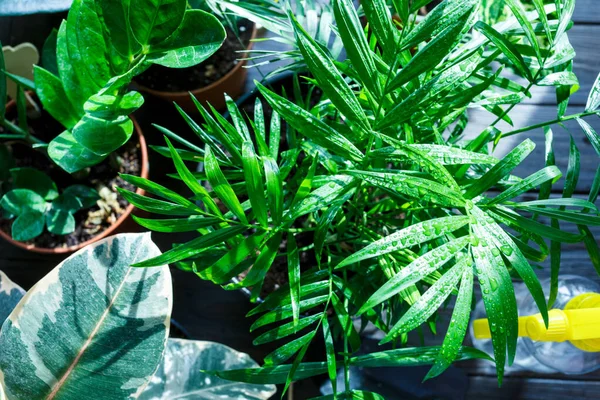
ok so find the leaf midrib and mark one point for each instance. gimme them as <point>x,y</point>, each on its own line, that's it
<point>87,343</point>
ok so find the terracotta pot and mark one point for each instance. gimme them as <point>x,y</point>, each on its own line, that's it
<point>232,84</point>
<point>120,225</point>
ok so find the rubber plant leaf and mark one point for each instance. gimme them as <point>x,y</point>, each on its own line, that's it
<point>180,374</point>
<point>110,321</point>
<point>10,295</point>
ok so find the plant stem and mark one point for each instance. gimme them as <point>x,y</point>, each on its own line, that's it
<point>552,122</point>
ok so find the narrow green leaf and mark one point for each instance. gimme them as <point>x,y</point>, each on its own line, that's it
<point>286,329</point>
<point>380,20</point>
<point>294,276</point>
<point>221,187</point>
<point>506,47</point>
<point>263,263</point>
<point>254,183</point>
<point>411,236</point>
<point>156,206</point>
<point>429,302</point>
<point>284,312</point>
<point>274,189</point>
<point>591,134</point>
<point>330,80</point>
<point>286,351</point>
<point>547,174</point>
<point>311,126</point>
<point>192,247</point>
<point>562,78</point>
<point>160,191</point>
<point>412,357</point>
<point>259,128</point>
<point>593,101</point>
<point>330,351</point>
<point>443,154</point>
<point>334,187</point>
<point>192,223</point>
<point>519,12</point>
<point>457,328</point>
<point>272,375</point>
<point>415,271</point>
<point>501,169</point>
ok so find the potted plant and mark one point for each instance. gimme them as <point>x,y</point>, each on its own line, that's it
<point>83,128</point>
<point>111,350</point>
<point>404,210</point>
<point>223,72</point>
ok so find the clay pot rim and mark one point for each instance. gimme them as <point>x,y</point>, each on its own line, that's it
<point>203,89</point>
<point>128,210</point>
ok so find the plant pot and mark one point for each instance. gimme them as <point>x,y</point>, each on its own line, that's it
<point>232,83</point>
<point>123,224</point>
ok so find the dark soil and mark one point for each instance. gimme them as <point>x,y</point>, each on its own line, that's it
<point>103,174</point>
<point>214,68</point>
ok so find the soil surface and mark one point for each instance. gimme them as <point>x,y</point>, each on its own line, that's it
<point>214,68</point>
<point>106,174</point>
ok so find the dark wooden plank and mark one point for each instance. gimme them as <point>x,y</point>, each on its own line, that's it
<point>586,11</point>
<point>531,389</point>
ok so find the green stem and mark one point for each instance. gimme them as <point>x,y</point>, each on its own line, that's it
<point>552,122</point>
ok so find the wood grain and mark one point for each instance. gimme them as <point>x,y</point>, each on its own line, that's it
<point>482,387</point>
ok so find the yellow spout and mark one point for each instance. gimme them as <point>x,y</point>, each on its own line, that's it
<point>578,323</point>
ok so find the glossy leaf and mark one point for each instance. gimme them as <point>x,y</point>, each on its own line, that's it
<point>49,88</point>
<point>60,222</point>
<point>189,224</point>
<point>70,155</point>
<point>98,279</point>
<point>35,180</point>
<point>408,237</point>
<point>153,21</point>
<point>10,295</point>
<point>254,183</point>
<point>181,373</point>
<point>19,201</point>
<point>101,136</point>
<point>593,101</point>
<point>415,271</point>
<point>28,225</point>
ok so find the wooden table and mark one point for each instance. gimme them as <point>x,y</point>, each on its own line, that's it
<point>210,313</point>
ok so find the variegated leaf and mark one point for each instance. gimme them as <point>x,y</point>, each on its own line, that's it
<point>180,374</point>
<point>10,295</point>
<point>94,326</point>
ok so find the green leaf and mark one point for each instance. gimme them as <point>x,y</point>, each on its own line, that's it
<point>411,236</point>
<point>494,234</point>
<point>86,195</point>
<point>519,12</point>
<point>443,154</point>
<point>70,155</point>
<point>355,44</point>
<point>432,54</point>
<point>67,202</point>
<point>10,295</point>
<point>115,17</point>
<point>191,182</point>
<point>181,373</point>
<point>28,225</point>
<point>424,190</point>
<point>109,107</point>
<point>592,247</point>
<point>198,37</point>
<point>257,273</point>
<point>221,187</point>
<point>49,89</point>
<point>311,126</point>
<point>380,20</point>
<point>286,351</point>
<point>430,301</point>
<point>103,346</point>
<point>547,174</point>
<point>68,76</point>
<point>284,312</point>
<point>272,375</point>
<point>192,223</point>
<point>274,189</point>
<point>35,180</point>
<point>442,16</point>
<point>504,45</point>
<point>498,297</point>
<point>591,134</point>
<point>160,191</point>
<point>294,276</point>
<point>415,271</point>
<point>192,247</point>
<point>411,357</point>
<point>60,222</point>
<point>501,169</point>
<point>334,187</point>
<point>458,326</point>
<point>286,329</point>
<point>19,201</point>
<point>562,78</point>
<point>101,136</point>
<point>566,12</point>
<point>330,80</point>
<point>156,206</point>
<point>330,351</point>
<point>254,183</point>
<point>153,21</point>
<point>593,101</point>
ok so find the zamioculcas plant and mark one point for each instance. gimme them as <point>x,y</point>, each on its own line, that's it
<point>404,207</point>
<point>109,322</point>
<point>92,59</point>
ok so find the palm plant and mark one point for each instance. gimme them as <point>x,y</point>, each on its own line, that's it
<point>404,208</point>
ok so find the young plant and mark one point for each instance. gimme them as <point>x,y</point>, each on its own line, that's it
<point>112,348</point>
<point>35,203</point>
<point>92,59</point>
<point>403,206</point>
